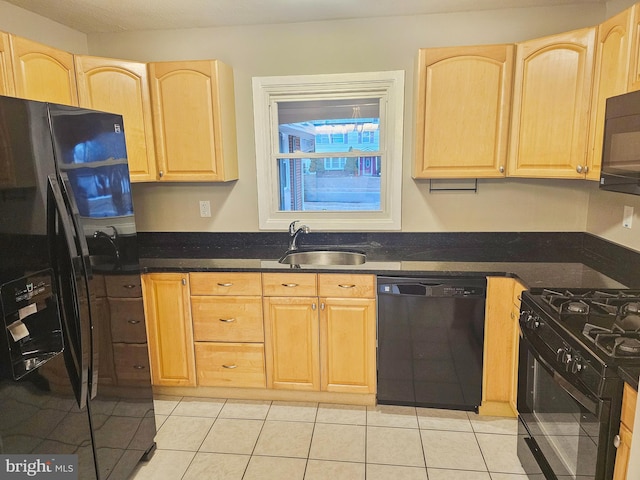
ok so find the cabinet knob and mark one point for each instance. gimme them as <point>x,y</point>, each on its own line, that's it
<point>138,367</point>
<point>586,169</point>
<point>161,173</point>
<point>133,322</point>
<point>129,286</point>
<point>229,284</point>
<point>227,320</point>
<point>501,169</point>
<point>289,285</point>
<point>616,441</point>
<point>184,281</point>
<point>579,169</point>
<point>347,285</point>
<point>230,366</point>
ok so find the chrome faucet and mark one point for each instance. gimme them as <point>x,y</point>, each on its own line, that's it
<point>112,239</point>
<point>295,233</point>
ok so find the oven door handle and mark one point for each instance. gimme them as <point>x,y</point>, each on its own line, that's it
<point>584,399</point>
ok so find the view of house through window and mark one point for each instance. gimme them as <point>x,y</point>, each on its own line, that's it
<point>329,150</point>
<point>329,155</point>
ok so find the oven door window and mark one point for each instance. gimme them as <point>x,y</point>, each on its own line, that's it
<point>563,422</point>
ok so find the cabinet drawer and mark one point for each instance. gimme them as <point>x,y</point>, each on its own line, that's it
<point>127,320</point>
<point>225,283</point>
<point>123,285</point>
<point>289,285</point>
<point>227,319</point>
<point>230,364</point>
<point>346,285</point>
<point>132,364</point>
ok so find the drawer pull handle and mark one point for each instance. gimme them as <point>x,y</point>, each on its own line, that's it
<point>230,366</point>
<point>133,322</point>
<point>138,367</point>
<point>347,285</point>
<point>227,320</point>
<point>289,285</point>
<point>129,286</point>
<point>225,284</point>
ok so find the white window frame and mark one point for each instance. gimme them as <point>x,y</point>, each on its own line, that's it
<point>389,87</point>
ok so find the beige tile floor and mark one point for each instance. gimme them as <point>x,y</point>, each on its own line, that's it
<point>250,440</point>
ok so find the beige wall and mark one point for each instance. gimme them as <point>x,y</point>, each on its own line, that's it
<point>35,27</point>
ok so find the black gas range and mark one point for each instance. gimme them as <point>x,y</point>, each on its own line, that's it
<point>572,343</point>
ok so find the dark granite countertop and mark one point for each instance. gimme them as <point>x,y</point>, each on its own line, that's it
<point>532,274</point>
<point>551,259</point>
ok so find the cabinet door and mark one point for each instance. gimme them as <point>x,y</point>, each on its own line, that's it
<point>550,117</point>
<point>194,120</point>
<point>43,73</point>
<point>464,98</point>
<point>348,345</point>
<point>122,87</point>
<point>613,54</point>
<point>291,343</point>
<point>499,349</point>
<point>6,67</point>
<point>634,68</point>
<point>623,453</point>
<point>166,306</point>
<point>518,288</point>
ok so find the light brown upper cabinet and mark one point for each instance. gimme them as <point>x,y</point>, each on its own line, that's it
<point>194,120</point>
<point>613,55</point>
<point>552,94</point>
<point>634,69</point>
<point>464,100</point>
<point>122,87</point>
<point>43,73</point>
<point>6,67</point>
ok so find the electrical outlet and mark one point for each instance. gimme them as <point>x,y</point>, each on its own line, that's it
<point>205,208</point>
<point>627,216</point>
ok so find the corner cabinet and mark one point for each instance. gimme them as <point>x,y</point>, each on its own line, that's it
<point>43,73</point>
<point>464,100</point>
<point>169,329</point>
<point>501,341</point>
<point>550,117</point>
<point>121,87</point>
<point>193,107</point>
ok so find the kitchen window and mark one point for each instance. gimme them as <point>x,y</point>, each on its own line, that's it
<point>329,150</point>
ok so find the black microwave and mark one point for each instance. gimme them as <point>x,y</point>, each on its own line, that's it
<point>621,144</point>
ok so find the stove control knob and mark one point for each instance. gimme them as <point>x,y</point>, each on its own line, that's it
<point>576,365</point>
<point>530,320</point>
<point>563,355</point>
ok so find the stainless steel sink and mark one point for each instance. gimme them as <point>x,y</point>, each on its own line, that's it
<point>323,257</point>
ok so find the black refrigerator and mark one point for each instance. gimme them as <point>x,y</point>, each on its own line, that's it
<point>74,365</point>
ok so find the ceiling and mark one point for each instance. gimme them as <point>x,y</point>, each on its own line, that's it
<point>93,16</point>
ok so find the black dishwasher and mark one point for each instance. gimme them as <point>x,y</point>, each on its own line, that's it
<point>430,341</point>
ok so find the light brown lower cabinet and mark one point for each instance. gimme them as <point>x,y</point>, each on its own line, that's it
<point>627,417</point>
<point>501,338</point>
<point>227,329</point>
<point>320,343</point>
<point>169,330</point>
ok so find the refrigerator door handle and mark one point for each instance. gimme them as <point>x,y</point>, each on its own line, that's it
<point>77,366</point>
<point>70,201</point>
